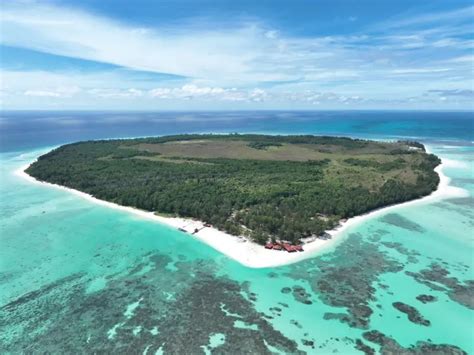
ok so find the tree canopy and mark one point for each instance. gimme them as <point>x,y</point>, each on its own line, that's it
<point>287,196</point>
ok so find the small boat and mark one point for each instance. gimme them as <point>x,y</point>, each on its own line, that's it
<point>182,229</point>
<point>325,236</point>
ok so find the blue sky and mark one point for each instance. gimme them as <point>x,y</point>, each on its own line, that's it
<point>213,55</point>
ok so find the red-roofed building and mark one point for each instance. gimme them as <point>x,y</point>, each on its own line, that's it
<point>269,246</point>
<point>298,247</point>
<point>277,247</point>
<point>288,247</point>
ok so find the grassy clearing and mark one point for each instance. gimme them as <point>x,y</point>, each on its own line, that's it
<point>235,149</point>
<point>338,171</point>
<point>174,160</point>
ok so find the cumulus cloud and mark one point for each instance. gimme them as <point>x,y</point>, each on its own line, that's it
<point>42,93</point>
<point>192,91</point>
<point>317,97</point>
<point>116,93</point>
<point>60,92</point>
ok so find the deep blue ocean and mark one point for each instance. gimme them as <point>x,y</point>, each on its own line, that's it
<point>78,277</point>
<point>28,129</point>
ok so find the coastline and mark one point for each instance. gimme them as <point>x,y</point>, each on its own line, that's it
<point>243,250</point>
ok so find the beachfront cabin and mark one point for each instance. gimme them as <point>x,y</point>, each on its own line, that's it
<point>288,247</point>
<point>298,247</point>
<point>269,246</point>
<point>277,247</point>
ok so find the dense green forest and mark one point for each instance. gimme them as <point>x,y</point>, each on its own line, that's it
<point>279,187</point>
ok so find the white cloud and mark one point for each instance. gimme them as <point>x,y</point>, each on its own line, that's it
<point>258,95</point>
<point>463,59</point>
<point>60,92</point>
<point>252,63</point>
<point>198,54</point>
<point>271,34</point>
<point>116,93</point>
<point>456,15</point>
<point>192,91</point>
<point>419,70</point>
<point>41,93</point>
<point>161,93</point>
<point>239,56</point>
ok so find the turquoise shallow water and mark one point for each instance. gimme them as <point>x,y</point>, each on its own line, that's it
<point>79,277</point>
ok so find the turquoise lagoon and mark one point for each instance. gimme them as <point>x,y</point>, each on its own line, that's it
<point>80,277</point>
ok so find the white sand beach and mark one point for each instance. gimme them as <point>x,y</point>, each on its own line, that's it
<point>247,252</point>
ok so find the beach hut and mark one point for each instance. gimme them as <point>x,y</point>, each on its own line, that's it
<point>269,245</point>
<point>298,247</point>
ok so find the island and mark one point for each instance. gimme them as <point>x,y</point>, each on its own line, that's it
<point>267,188</point>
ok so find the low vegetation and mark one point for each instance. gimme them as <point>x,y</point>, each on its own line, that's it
<point>279,187</point>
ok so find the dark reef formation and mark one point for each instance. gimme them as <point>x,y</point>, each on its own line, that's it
<point>413,314</point>
<point>399,221</point>
<point>426,298</point>
<point>345,279</point>
<point>300,295</point>
<point>390,346</point>
<point>367,350</point>
<point>436,275</point>
<point>179,309</point>
<point>175,311</point>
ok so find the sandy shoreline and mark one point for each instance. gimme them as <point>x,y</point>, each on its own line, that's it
<point>241,249</point>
